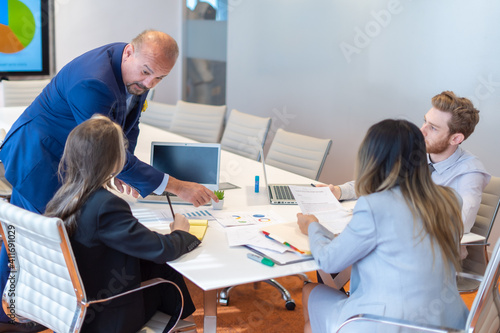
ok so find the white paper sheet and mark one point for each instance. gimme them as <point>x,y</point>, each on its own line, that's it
<point>321,202</point>
<point>251,235</point>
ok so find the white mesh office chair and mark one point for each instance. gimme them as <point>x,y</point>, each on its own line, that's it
<point>199,122</point>
<point>484,315</point>
<point>158,115</point>
<point>22,93</point>
<point>477,259</point>
<point>48,287</point>
<point>245,134</point>
<point>297,153</point>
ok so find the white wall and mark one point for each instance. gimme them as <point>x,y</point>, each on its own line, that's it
<point>81,25</point>
<point>286,59</point>
<point>286,56</point>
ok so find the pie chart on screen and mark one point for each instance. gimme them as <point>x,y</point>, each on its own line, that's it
<point>17,26</point>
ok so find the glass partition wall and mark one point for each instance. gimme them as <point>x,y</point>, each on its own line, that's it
<point>205,46</point>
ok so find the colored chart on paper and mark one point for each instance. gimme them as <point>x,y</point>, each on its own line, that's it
<point>232,219</point>
<point>198,214</point>
<point>17,26</point>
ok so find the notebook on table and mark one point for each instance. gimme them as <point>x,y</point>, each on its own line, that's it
<point>194,162</point>
<point>198,228</point>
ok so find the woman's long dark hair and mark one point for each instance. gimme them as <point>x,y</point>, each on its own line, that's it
<point>94,153</point>
<point>393,154</point>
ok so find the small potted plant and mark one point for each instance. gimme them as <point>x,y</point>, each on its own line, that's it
<point>220,195</point>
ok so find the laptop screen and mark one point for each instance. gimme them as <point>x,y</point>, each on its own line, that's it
<point>194,162</point>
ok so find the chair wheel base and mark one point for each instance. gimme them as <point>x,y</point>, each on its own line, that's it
<point>290,305</point>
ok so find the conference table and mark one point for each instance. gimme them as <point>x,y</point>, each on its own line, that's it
<point>215,265</point>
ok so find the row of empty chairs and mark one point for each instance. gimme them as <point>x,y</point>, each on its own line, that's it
<point>243,134</point>
<point>21,93</point>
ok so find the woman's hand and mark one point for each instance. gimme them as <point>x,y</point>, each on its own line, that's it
<point>180,223</point>
<point>337,192</point>
<point>304,220</point>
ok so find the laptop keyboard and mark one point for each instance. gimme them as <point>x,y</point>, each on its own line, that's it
<point>156,197</point>
<point>283,192</point>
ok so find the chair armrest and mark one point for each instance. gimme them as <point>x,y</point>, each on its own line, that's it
<point>144,285</point>
<point>470,276</point>
<point>399,323</point>
<point>477,244</point>
<point>339,281</point>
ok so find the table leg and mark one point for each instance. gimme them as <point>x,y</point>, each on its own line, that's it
<point>210,311</point>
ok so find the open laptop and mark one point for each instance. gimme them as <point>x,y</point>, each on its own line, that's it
<point>279,194</point>
<point>194,162</point>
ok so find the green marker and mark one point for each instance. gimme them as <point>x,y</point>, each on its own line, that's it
<point>262,260</point>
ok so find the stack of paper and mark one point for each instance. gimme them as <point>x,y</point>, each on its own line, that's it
<point>319,201</point>
<point>290,235</point>
<point>159,220</point>
<point>253,238</point>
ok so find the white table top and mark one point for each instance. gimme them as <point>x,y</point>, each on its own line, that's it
<point>214,264</point>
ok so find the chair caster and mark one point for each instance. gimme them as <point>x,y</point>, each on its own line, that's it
<point>224,296</point>
<point>224,302</point>
<point>290,305</point>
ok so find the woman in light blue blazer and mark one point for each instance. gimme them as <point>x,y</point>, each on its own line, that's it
<point>402,242</point>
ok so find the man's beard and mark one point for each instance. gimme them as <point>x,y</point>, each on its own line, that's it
<point>438,147</point>
<point>137,85</point>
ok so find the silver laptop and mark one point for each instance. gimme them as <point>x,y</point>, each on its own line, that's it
<point>194,162</point>
<point>279,194</point>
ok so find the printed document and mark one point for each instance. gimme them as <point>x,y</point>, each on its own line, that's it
<point>321,202</point>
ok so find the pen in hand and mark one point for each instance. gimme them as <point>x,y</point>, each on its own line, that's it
<point>170,204</point>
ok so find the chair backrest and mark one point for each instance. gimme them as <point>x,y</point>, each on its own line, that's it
<point>300,154</point>
<point>22,93</point>
<point>245,134</point>
<point>484,314</point>
<point>3,133</point>
<point>158,115</point>
<point>490,202</point>
<point>5,187</point>
<point>199,122</point>
<point>47,287</point>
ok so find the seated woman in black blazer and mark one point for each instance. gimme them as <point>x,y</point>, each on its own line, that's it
<point>115,252</point>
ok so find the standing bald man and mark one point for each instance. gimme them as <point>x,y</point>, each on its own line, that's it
<point>112,80</point>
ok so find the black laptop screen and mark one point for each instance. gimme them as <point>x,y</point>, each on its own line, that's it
<point>195,163</point>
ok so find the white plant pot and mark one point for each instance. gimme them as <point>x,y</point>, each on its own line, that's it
<point>218,205</point>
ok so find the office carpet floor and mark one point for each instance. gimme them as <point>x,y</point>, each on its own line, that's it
<point>262,309</point>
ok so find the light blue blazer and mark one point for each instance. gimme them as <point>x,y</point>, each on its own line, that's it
<point>397,271</point>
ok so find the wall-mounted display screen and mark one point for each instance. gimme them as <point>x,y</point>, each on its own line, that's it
<point>24,37</point>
